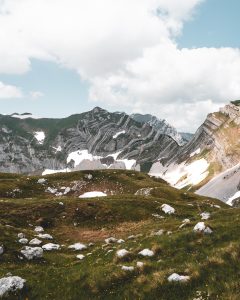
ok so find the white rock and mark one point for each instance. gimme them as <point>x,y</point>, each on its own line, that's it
<point>201,227</point>
<point>146,252</point>
<point>42,180</point>
<point>11,284</point>
<point>205,215</point>
<point>186,221</point>
<point>32,252</point>
<point>39,229</point>
<point>80,256</point>
<point>159,232</point>
<point>168,209</point>
<point>21,235</point>
<point>35,242</point>
<point>67,190</point>
<point>51,246</point>
<point>127,268</point>
<point>140,264</point>
<point>178,278</point>
<point>78,246</point>
<point>110,240</point>
<point>1,250</point>
<point>45,236</point>
<point>23,241</point>
<point>122,252</point>
<point>51,190</point>
<point>61,203</point>
<point>120,241</point>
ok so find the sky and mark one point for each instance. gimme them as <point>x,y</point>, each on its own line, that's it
<point>178,60</point>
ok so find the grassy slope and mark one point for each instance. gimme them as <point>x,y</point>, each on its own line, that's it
<point>211,261</point>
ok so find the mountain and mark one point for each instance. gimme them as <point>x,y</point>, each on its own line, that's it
<point>161,126</point>
<point>214,149</point>
<point>142,240</point>
<point>93,140</point>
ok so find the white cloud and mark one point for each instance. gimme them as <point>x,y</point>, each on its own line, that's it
<point>126,50</point>
<point>9,91</point>
<point>36,94</point>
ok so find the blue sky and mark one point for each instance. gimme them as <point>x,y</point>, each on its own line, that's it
<point>56,77</point>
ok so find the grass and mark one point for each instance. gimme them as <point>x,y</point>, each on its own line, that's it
<point>211,261</point>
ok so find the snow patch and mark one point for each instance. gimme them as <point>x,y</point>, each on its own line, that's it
<point>181,175</point>
<point>39,136</point>
<point>118,133</point>
<point>93,194</point>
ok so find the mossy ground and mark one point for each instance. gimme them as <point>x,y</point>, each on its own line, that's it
<point>211,261</point>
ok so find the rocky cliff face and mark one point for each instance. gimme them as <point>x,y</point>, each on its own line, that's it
<point>214,149</point>
<point>162,127</point>
<point>91,140</point>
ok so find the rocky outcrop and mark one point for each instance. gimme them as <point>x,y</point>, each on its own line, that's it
<point>29,145</point>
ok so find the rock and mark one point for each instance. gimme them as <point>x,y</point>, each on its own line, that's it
<point>140,264</point>
<point>80,256</point>
<point>45,236</point>
<point>21,235</point>
<point>168,209</point>
<point>23,241</point>
<point>127,268</point>
<point>11,284</point>
<point>67,190</point>
<point>158,233</point>
<point>42,181</point>
<point>61,203</point>
<point>120,241</point>
<point>122,253</point>
<point>32,252</point>
<point>78,246</point>
<point>35,242</point>
<point>144,192</point>
<point>50,247</point>
<point>146,252</point>
<point>205,215</point>
<point>178,278</point>
<point>201,227</point>
<point>39,229</point>
<point>131,237</point>
<point>1,250</point>
<point>110,240</point>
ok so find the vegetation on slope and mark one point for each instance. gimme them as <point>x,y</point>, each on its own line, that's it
<point>211,261</point>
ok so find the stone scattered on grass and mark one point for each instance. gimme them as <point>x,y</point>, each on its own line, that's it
<point>78,246</point>
<point>35,242</point>
<point>1,250</point>
<point>21,235</point>
<point>178,278</point>
<point>110,240</point>
<point>167,209</point>
<point>146,252</point>
<point>127,268</point>
<point>205,215</point>
<point>120,241</point>
<point>201,227</point>
<point>80,256</point>
<point>51,246</point>
<point>42,181</point>
<point>140,264</point>
<point>32,252</point>
<point>122,253</point>
<point>158,233</point>
<point>45,236</point>
<point>157,216</point>
<point>61,203</point>
<point>23,241</point>
<point>11,284</point>
<point>39,229</point>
